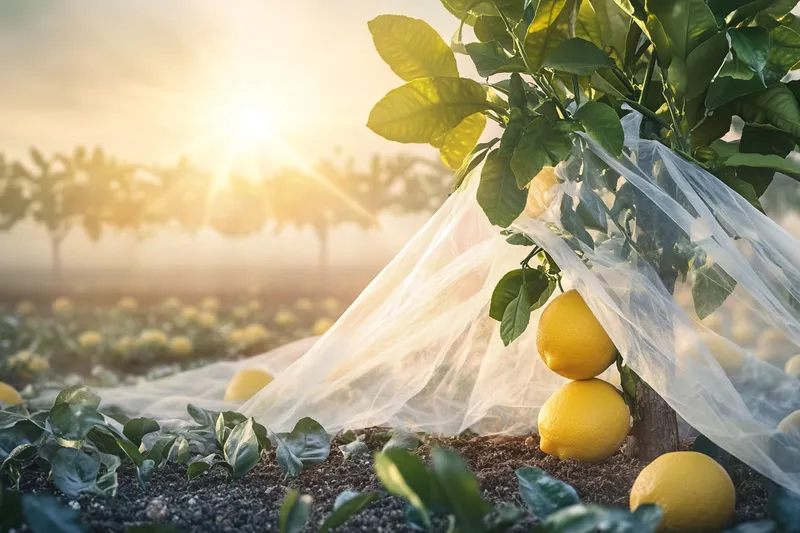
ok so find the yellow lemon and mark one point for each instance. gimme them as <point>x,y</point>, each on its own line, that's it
<point>571,341</point>
<point>246,384</point>
<point>538,197</point>
<point>181,346</point>
<point>321,326</point>
<point>127,304</point>
<point>583,420</point>
<point>207,319</point>
<point>21,358</point>
<point>285,318</point>
<point>90,339</point>
<point>793,367</point>
<point>694,491</point>
<point>304,304</point>
<point>715,322</point>
<point>210,304</point>
<point>791,424</point>
<point>62,306</point>
<point>9,395</point>
<point>171,304</point>
<point>254,305</point>
<point>25,308</point>
<point>727,354</point>
<point>236,336</point>
<point>255,333</point>
<point>189,312</point>
<point>153,337</point>
<point>770,354</point>
<point>744,333</point>
<point>330,305</point>
<point>125,344</point>
<point>772,337</point>
<point>38,363</point>
<point>241,312</point>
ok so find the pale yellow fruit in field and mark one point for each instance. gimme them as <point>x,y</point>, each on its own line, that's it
<point>770,354</point>
<point>62,306</point>
<point>571,341</point>
<point>90,339</point>
<point>772,337</point>
<point>255,333</point>
<point>694,491</point>
<point>181,346</point>
<point>246,384</point>
<point>9,395</point>
<point>153,337</point>
<point>127,304</point>
<point>584,420</point>
<point>207,319</point>
<point>254,305</point>
<point>729,356</point>
<point>791,424</point>
<point>329,305</point>
<point>321,326</point>
<point>236,336</point>
<point>37,363</point>
<point>21,358</point>
<point>125,344</point>
<point>285,318</point>
<point>25,308</point>
<point>209,303</point>
<point>793,367</point>
<point>304,304</point>
<point>538,192</point>
<point>189,312</point>
<point>240,312</point>
<point>171,304</point>
<point>715,322</point>
<point>744,333</point>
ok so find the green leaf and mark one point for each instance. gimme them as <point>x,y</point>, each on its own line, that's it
<point>489,28</point>
<point>544,494</point>
<point>507,289</point>
<point>768,161</point>
<point>775,106</point>
<point>590,518</point>
<point>204,417</point>
<point>460,487</point>
<point>751,47</point>
<point>405,476</point>
<point>10,418</point>
<point>78,395</point>
<point>516,317</point>
<point>72,422</point>
<point>498,194</point>
<point>307,445</point>
<point>221,431</point>
<point>425,109</point>
<point>411,48</point>
<point>577,56</point>
<point>542,144</point>
<point>491,58</point>
<point>241,449</point>
<point>403,440</point>
<point>591,209</point>
<point>784,53</point>
<point>160,449</point>
<point>572,222</point>
<point>550,26</point>
<point>199,465</point>
<point>294,512</point>
<point>73,471</point>
<point>762,526</point>
<point>347,505</point>
<point>354,449</point>
<point>686,24</point>
<point>604,24</point>
<point>144,472</point>
<point>45,514</point>
<point>602,124</point>
<point>784,508</point>
<point>701,65</point>
<point>711,286</point>
<point>137,428</point>
<point>456,144</point>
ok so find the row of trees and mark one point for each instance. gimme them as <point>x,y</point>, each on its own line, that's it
<point>98,193</point>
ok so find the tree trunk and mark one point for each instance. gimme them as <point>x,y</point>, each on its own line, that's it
<point>322,234</point>
<point>656,430</point>
<point>55,248</point>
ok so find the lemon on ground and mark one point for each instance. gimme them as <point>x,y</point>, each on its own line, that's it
<point>127,304</point>
<point>770,354</point>
<point>304,304</point>
<point>38,363</point>
<point>538,197</point>
<point>727,354</point>
<point>584,420</point>
<point>571,341</point>
<point>21,358</point>
<point>236,336</point>
<point>285,318</point>
<point>321,326</point>
<point>255,333</point>
<point>90,339</point>
<point>153,337</point>
<point>189,312</point>
<point>181,346</point>
<point>330,304</point>
<point>694,491</point>
<point>715,322</point>
<point>25,308</point>
<point>791,424</point>
<point>246,384</point>
<point>744,333</point>
<point>254,305</point>
<point>241,312</point>
<point>207,319</point>
<point>210,304</point>
<point>62,306</point>
<point>171,304</point>
<point>9,395</point>
<point>793,367</point>
<point>125,344</point>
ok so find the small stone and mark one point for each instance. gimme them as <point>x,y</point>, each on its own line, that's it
<point>531,442</point>
<point>157,510</point>
<point>192,501</point>
<point>75,505</point>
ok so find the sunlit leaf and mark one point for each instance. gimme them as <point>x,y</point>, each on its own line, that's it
<point>73,471</point>
<point>411,48</point>
<point>241,450</point>
<point>456,144</point>
<point>768,161</point>
<point>603,125</point>
<point>294,512</point>
<point>78,395</point>
<point>347,505</point>
<point>711,286</point>
<point>491,58</point>
<point>775,106</point>
<point>498,194</point>
<point>460,487</point>
<point>509,286</point>
<point>577,56</point>
<point>137,428</point>
<point>543,143</point>
<point>516,317</point>
<point>549,27</point>
<point>544,494</point>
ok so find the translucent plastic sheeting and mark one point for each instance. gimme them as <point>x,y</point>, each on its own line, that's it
<point>417,349</point>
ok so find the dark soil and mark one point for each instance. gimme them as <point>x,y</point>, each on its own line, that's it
<point>212,504</point>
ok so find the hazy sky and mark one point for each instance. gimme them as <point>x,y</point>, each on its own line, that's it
<point>151,80</point>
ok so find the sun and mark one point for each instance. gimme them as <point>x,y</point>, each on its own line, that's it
<point>251,124</point>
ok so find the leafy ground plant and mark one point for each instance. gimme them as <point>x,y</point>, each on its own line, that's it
<point>558,74</point>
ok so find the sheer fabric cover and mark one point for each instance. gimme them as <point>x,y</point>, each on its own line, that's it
<point>418,349</point>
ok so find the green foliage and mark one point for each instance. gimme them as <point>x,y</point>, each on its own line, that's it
<point>347,505</point>
<point>294,512</point>
<point>543,494</point>
<point>306,446</point>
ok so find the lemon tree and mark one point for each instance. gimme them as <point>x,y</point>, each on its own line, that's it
<point>553,68</point>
